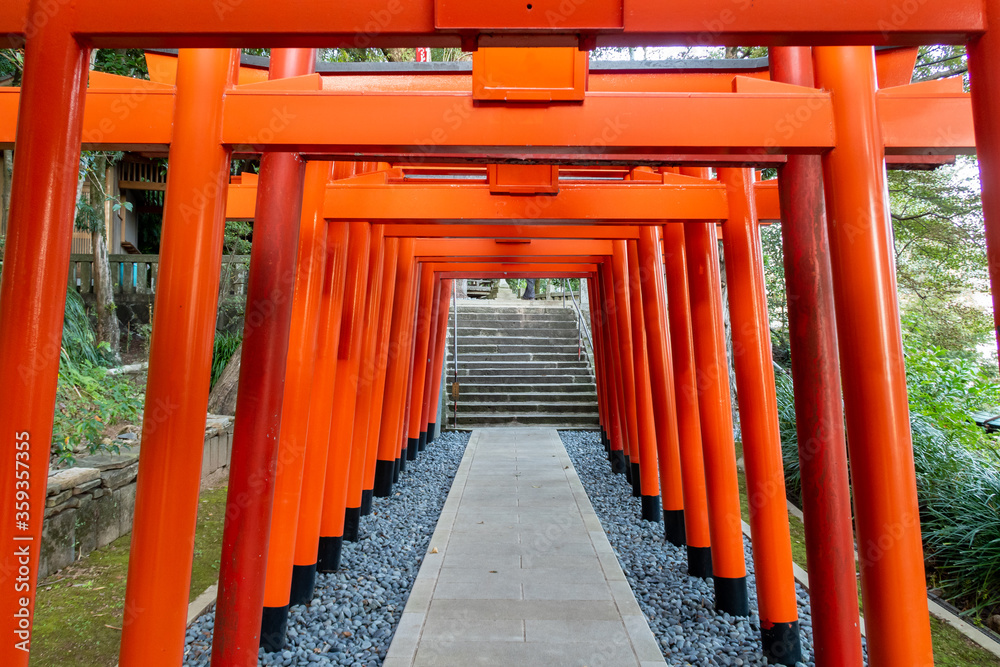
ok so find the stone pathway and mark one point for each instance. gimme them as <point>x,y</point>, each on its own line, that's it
<point>519,570</point>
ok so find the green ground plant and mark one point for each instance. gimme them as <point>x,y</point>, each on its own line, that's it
<point>89,401</point>
<point>957,469</point>
<point>226,345</point>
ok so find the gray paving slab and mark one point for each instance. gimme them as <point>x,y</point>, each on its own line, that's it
<point>519,570</point>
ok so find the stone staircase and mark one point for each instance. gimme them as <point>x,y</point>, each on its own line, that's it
<point>518,365</point>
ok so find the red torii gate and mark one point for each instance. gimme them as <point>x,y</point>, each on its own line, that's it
<point>50,134</point>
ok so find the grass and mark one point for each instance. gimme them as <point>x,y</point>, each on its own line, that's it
<point>951,647</point>
<point>79,610</point>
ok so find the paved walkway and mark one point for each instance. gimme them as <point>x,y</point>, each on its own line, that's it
<point>519,570</point>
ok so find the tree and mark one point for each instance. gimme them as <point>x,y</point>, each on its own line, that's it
<point>94,211</point>
<point>93,216</point>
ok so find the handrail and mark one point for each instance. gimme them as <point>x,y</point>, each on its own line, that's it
<point>454,394</point>
<point>583,327</point>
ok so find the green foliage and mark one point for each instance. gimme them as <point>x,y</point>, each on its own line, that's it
<point>226,345</point>
<point>238,237</point>
<point>957,469</point>
<point>944,389</point>
<point>789,436</point>
<point>79,342</point>
<point>88,400</point>
<point>123,62</point>
<point>12,65</point>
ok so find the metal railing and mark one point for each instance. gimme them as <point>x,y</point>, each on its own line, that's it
<point>455,385</point>
<point>582,325</point>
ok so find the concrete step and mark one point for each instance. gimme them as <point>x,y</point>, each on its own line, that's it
<point>514,357</point>
<point>496,308</point>
<point>510,319</point>
<point>548,330</point>
<point>513,348</point>
<point>532,369</point>
<point>523,385</point>
<point>468,420</point>
<point>534,378</point>
<point>530,408</point>
<point>506,398</point>
<point>568,338</point>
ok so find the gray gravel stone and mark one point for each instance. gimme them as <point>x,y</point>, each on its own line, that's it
<point>678,607</point>
<point>355,612</point>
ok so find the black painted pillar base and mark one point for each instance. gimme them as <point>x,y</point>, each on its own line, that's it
<point>782,645</point>
<point>628,467</point>
<point>402,461</point>
<point>731,596</point>
<point>352,520</point>
<point>422,441</point>
<point>330,549</point>
<point>366,502</point>
<point>303,584</point>
<point>636,481</point>
<point>412,447</point>
<point>700,562</point>
<point>618,464</point>
<point>651,507</point>
<point>385,474</point>
<point>273,627</point>
<point>605,441</point>
<point>673,527</point>
<point>431,430</point>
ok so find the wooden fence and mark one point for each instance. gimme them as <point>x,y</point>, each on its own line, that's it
<point>137,275</point>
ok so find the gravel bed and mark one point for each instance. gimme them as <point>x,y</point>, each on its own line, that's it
<point>678,607</point>
<point>356,610</point>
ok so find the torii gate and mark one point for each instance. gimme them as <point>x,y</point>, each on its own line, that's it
<point>50,135</point>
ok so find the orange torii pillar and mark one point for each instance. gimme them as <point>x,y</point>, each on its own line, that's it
<point>777,604</point>
<point>696,523</point>
<point>35,272</point>
<point>619,438</point>
<point>715,409</point>
<point>299,385</point>
<point>887,515</point>
<point>320,412</point>
<point>363,382</point>
<point>428,374</point>
<point>345,396</point>
<point>418,438</point>
<point>173,431</point>
<point>437,366</point>
<point>598,344</point>
<point>266,332</point>
<point>376,416</point>
<point>819,417</point>
<point>984,74</point>
<point>387,465</point>
<point>606,380</point>
<point>649,478</point>
<point>410,442</point>
<point>654,302</point>
<point>619,313</point>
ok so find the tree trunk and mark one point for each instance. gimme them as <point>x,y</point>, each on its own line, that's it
<point>461,291</point>
<point>108,330</point>
<point>6,174</point>
<point>222,400</point>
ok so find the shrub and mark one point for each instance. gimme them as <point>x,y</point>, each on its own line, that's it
<point>226,345</point>
<point>957,470</point>
<point>88,400</point>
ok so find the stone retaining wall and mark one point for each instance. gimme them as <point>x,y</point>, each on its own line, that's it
<point>91,505</point>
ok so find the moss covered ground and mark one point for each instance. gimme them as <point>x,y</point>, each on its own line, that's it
<point>79,610</point>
